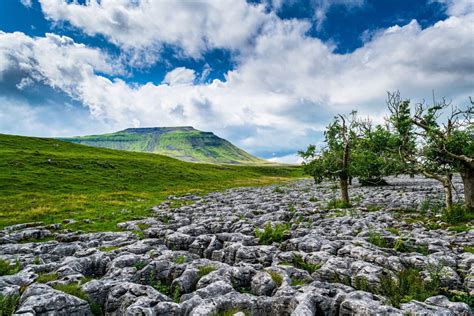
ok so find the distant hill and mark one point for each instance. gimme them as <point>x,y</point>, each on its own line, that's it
<point>184,143</point>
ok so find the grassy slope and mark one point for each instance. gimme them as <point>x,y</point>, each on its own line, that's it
<point>49,180</point>
<point>185,143</point>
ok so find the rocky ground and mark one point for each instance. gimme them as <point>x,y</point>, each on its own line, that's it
<point>201,256</point>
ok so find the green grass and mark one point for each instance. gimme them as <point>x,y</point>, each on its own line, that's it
<point>76,290</point>
<point>469,249</point>
<point>46,277</point>
<point>205,270</point>
<point>276,277</point>
<point>377,239</point>
<point>272,233</point>
<point>337,203</point>
<point>8,304</point>
<point>298,282</point>
<point>7,268</point>
<point>231,312</point>
<point>300,263</point>
<point>109,249</point>
<point>49,180</point>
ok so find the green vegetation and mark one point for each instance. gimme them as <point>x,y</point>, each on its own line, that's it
<point>165,289</point>
<point>205,270</point>
<point>272,233</point>
<point>232,312</point>
<point>75,290</point>
<point>298,282</point>
<point>46,277</point>
<point>408,285</point>
<point>337,203</point>
<point>7,268</point>
<point>180,260</point>
<point>109,249</point>
<point>469,249</point>
<point>457,214</point>
<point>300,263</point>
<point>140,264</point>
<point>393,230</point>
<point>8,304</point>
<point>184,143</point>
<point>49,180</point>
<point>376,239</point>
<point>459,296</point>
<point>276,277</point>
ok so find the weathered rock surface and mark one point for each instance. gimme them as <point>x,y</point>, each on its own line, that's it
<point>204,258</point>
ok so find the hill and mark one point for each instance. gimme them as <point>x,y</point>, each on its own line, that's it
<point>184,143</point>
<point>50,180</point>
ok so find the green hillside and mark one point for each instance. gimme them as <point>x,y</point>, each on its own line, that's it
<point>50,180</point>
<point>184,143</point>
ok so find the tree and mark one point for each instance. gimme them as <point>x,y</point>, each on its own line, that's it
<point>334,160</point>
<point>437,150</point>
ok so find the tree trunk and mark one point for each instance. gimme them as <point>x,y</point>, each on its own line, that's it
<point>448,195</point>
<point>344,184</point>
<point>467,175</point>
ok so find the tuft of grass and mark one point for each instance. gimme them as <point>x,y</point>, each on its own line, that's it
<point>272,233</point>
<point>408,285</point>
<point>8,304</point>
<point>140,264</point>
<point>374,207</point>
<point>469,249</point>
<point>165,289</point>
<point>7,268</point>
<point>72,289</point>
<point>460,228</point>
<point>393,230</point>
<point>205,270</point>
<point>180,260</point>
<point>297,282</point>
<point>376,239</point>
<point>457,214</point>
<point>463,297</point>
<point>46,277</point>
<point>300,263</point>
<point>109,249</point>
<point>337,203</point>
<point>276,277</point>
<point>313,199</point>
<point>279,190</point>
<point>49,180</point>
<point>232,312</point>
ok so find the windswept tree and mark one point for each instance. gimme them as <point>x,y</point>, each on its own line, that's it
<point>436,143</point>
<point>334,160</point>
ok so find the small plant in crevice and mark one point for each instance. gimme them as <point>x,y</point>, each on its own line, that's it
<point>8,304</point>
<point>180,260</point>
<point>313,199</point>
<point>298,282</point>
<point>463,297</point>
<point>7,268</point>
<point>231,312</point>
<point>337,203</point>
<point>272,233</point>
<point>46,277</point>
<point>278,190</point>
<point>276,277</point>
<point>109,248</point>
<point>457,214</point>
<point>377,239</point>
<point>205,270</point>
<point>140,264</point>
<point>300,263</point>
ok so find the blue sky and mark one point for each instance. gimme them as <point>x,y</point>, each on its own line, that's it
<point>267,75</point>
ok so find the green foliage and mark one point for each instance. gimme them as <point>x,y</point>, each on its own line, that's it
<point>393,230</point>
<point>313,199</point>
<point>463,297</point>
<point>72,289</point>
<point>180,260</point>
<point>461,228</point>
<point>8,304</point>
<point>298,282</point>
<point>337,203</point>
<point>7,268</point>
<point>231,312</point>
<point>279,190</point>
<point>46,277</point>
<point>205,270</point>
<point>140,264</point>
<point>457,214</point>
<point>430,205</point>
<point>469,249</point>
<point>276,277</point>
<point>272,233</point>
<point>49,180</point>
<point>165,289</point>
<point>408,285</point>
<point>298,262</point>
<point>376,239</point>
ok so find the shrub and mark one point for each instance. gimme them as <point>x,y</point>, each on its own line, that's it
<point>7,268</point>
<point>205,270</point>
<point>276,277</point>
<point>8,304</point>
<point>271,234</point>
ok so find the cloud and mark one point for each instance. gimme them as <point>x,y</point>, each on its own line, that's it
<point>281,94</point>
<point>321,8</point>
<point>180,75</point>
<point>458,7</point>
<point>145,26</point>
<point>291,159</point>
<point>27,3</point>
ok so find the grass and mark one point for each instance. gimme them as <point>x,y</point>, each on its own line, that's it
<point>49,180</point>
<point>393,230</point>
<point>408,285</point>
<point>300,263</point>
<point>276,277</point>
<point>376,239</point>
<point>469,249</point>
<point>8,304</point>
<point>75,290</point>
<point>7,268</point>
<point>109,249</point>
<point>205,270</point>
<point>180,260</point>
<point>231,312</point>
<point>457,214</point>
<point>46,277</point>
<point>337,203</point>
<point>272,233</point>
<point>298,282</point>
<point>175,294</point>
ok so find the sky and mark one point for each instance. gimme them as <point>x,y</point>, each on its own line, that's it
<point>268,75</point>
